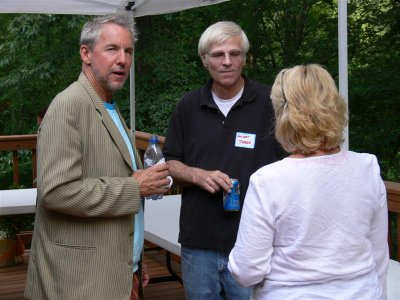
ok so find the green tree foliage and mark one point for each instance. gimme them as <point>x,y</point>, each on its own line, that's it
<point>39,57</point>
<point>374,74</point>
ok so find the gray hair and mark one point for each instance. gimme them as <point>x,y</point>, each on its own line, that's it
<point>92,29</point>
<point>220,32</point>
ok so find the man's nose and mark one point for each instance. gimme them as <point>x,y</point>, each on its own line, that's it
<point>122,57</point>
<point>227,60</point>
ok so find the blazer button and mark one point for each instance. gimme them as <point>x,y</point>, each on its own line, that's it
<point>130,262</point>
<point>131,233</point>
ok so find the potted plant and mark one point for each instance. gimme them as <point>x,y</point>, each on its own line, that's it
<point>8,238</point>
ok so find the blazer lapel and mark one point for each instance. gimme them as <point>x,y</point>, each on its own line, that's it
<point>107,120</point>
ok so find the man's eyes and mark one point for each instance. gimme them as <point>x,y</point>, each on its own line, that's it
<point>222,54</point>
<point>114,49</point>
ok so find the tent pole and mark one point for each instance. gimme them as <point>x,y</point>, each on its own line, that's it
<point>343,74</point>
<point>132,91</point>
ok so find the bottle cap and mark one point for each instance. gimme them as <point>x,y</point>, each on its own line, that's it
<point>153,139</point>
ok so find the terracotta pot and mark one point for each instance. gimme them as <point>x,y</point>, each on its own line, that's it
<point>7,252</point>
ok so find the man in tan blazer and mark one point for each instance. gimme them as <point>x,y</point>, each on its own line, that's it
<point>88,186</point>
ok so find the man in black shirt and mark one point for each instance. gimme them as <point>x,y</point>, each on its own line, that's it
<point>220,131</point>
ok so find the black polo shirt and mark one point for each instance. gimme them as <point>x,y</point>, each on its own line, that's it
<point>199,135</point>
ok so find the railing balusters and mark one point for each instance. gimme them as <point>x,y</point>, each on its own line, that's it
<point>34,167</point>
<point>15,163</point>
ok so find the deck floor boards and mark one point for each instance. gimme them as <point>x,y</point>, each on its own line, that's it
<point>12,280</point>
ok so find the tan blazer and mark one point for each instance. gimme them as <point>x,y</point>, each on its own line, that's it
<point>83,234</point>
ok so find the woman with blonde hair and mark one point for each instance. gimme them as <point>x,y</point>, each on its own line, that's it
<point>314,225</point>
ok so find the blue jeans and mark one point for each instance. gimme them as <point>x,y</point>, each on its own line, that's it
<point>206,276</point>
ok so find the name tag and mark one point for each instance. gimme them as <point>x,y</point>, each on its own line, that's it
<point>245,140</point>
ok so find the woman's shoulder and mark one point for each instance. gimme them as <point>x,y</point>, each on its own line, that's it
<point>275,169</point>
<point>366,159</point>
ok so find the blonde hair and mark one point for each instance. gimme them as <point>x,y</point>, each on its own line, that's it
<point>310,113</point>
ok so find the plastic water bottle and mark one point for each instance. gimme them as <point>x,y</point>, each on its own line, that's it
<point>152,156</point>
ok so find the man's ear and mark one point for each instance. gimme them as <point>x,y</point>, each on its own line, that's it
<point>204,61</point>
<point>86,54</point>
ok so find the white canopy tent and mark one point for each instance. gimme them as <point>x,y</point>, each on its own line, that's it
<point>140,8</point>
<point>101,7</point>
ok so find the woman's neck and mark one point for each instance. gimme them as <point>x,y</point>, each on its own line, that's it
<point>319,152</point>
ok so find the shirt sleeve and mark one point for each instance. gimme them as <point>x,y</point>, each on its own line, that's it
<point>378,238</point>
<point>174,146</point>
<point>250,258</point>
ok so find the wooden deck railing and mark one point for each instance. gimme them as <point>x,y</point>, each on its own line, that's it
<point>15,143</point>
<point>393,196</point>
